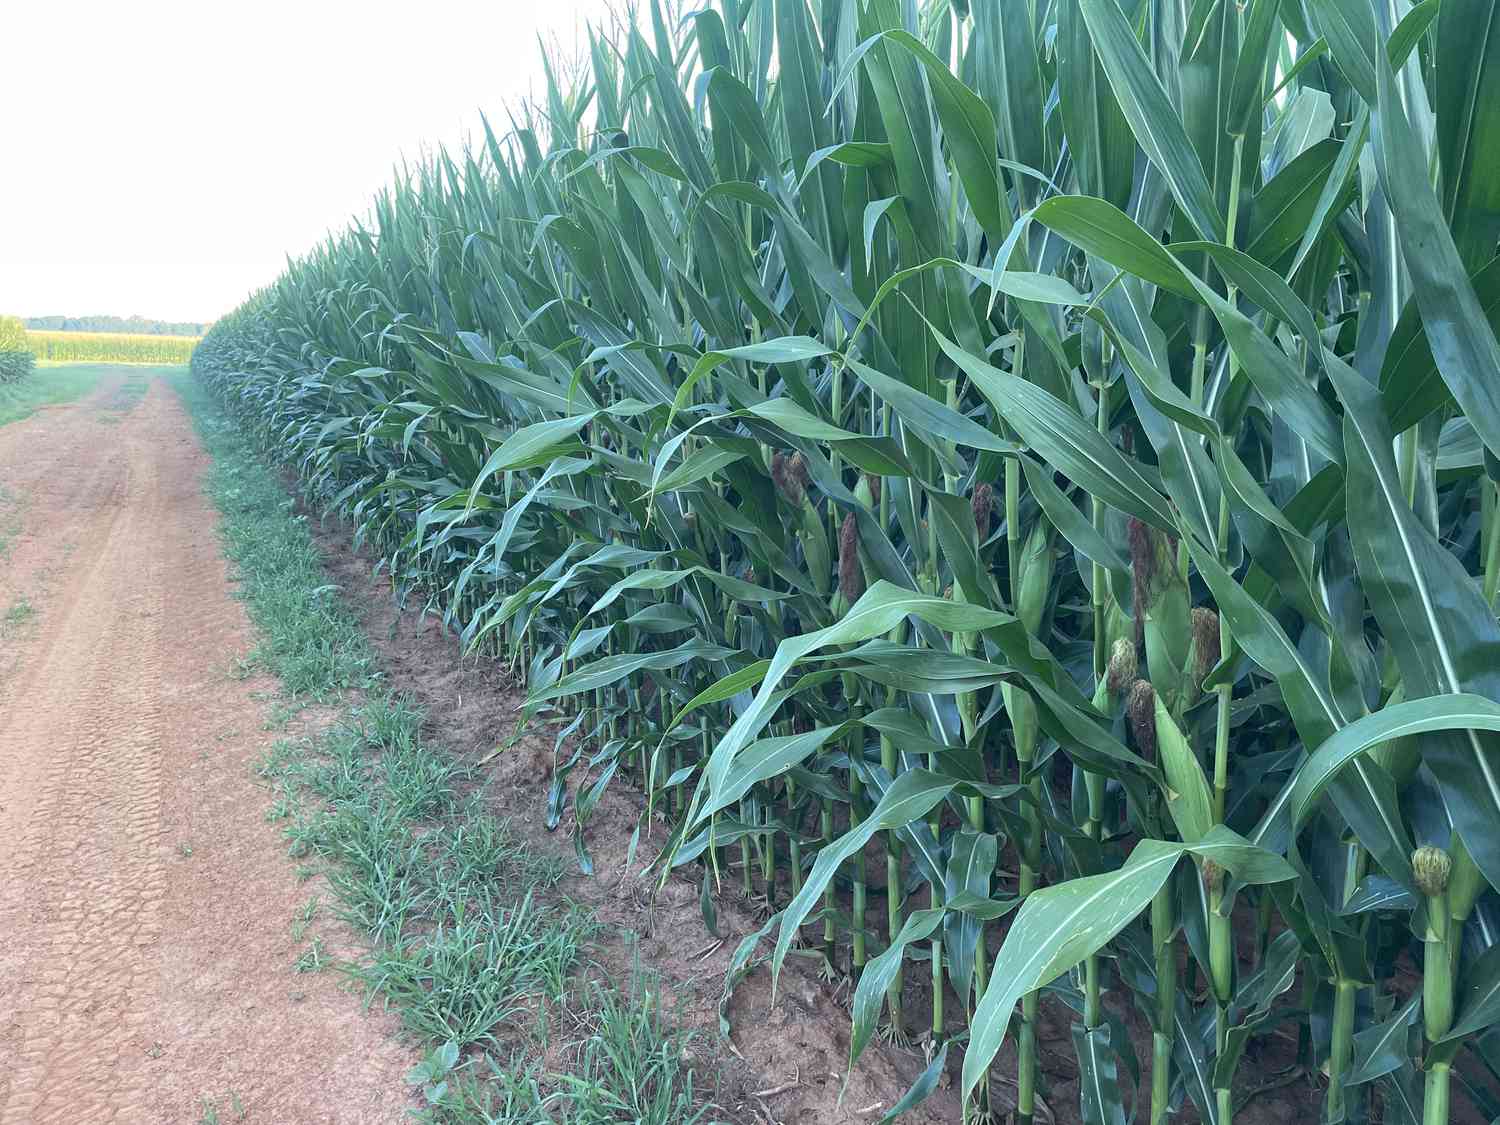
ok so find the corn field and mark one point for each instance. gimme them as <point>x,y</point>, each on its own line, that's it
<point>1015,484</point>
<point>110,347</point>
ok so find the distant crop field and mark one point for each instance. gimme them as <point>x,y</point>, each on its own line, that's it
<point>110,347</point>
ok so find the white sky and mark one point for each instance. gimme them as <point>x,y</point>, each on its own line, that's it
<point>163,158</point>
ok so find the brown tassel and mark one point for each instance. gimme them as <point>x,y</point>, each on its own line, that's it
<point>1141,538</point>
<point>851,574</point>
<point>1205,641</point>
<point>983,505</point>
<point>787,478</point>
<point>1213,876</point>
<point>1123,666</point>
<point>1141,707</point>
<point>797,472</point>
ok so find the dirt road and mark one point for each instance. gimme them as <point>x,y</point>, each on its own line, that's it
<point>145,904</point>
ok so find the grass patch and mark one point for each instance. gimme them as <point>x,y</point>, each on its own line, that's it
<point>307,638</point>
<point>20,611</point>
<point>484,966</point>
<point>623,1063</point>
<point>48,386</point>
<point>10,520</point>
<point>461,948</point>
<point>232,1109</point>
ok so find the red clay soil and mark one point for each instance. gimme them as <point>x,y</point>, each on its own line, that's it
<point>145,904</point>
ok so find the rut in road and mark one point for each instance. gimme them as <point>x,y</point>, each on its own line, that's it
<point>145,956</point>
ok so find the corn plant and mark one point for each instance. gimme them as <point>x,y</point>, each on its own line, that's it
<point>1048,446</point>
<point>16,360</point>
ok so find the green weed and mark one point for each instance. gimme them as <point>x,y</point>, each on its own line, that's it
<point>20,611</point>
<point>303,918</point>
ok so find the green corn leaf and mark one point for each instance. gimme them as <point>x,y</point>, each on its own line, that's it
<point>1463,344</point>
<point>878,611</point>
<point>537,444</point>
<point>1467,70</point>
<point>927,414</point>
<point>1157,127</point>
<point>785,349</point>
<point>879,972</point>
<point>1188,799</point>
<point>928,1081</point>
<point>1057,927</point>
<point>612,669</point>
<point>1349,28</point>
<point>1477,998</point>
<point>1283,211</point>
<point>1099,137</point>
<point>909,798</point>
<point>1443,635</point>
<point>1410,384</point>
<point>971,859</point>
<point>1098,1076</point>
<point>1457,712</point>
<point>1098,227</point>
<point>768,758</point>
<point>913,669</point>
<point>727,688</point>
<point>1336,187</point>
<point>1251,65</point>
<point>1064,439</point>
<point>1312,706</point>
<point>902,99</point>
<point>969,129</point>
<point>1381,1049</point>
<point>1070,522</point>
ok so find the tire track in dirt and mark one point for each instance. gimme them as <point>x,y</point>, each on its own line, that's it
<point>144,902</point>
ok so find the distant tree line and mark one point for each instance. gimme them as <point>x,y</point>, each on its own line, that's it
<point>135,324</point>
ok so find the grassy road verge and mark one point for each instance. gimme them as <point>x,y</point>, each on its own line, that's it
<point>47,386</point>
<point>469,942</point>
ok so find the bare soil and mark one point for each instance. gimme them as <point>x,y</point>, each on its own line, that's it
<point>145,904</point>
